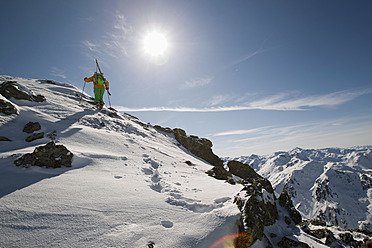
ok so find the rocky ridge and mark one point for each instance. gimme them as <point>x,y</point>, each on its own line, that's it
<point>261,211</point>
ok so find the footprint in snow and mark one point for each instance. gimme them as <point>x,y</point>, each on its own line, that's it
<point>156,187</point>
<point>152,163</point>
<point>147,171</point>
<point>167,224</point>
<point>156,178</point>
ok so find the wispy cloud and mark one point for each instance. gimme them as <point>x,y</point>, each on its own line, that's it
<point>218,100</point>
<point>114,43</point>
<point>277,102</point>
<point>343,132</point>
<point>54,71</point>
<point>241,132</point>
<point>90,45</point>
<point>181,109</point>
<point>197,82</point>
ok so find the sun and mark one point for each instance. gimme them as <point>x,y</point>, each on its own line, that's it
<point>155,44</point>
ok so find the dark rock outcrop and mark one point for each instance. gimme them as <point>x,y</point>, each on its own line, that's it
<point>219,173</point>
<point>249,176</point>
<point>288,243</point>
<point>31,127</point>
<point>200,147</point>
<point>256,201</point>
<point>6,107</point>
<point>258,209</point>
<point>50,156</point>
<point>286,202</point>
<point>35,136</point>
<point>12,89</point>
<point>4,139</point>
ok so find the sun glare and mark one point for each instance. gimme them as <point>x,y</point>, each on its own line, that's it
<point>155,44</point>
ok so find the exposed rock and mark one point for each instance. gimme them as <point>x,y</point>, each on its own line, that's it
<point>52,135</point>
<point>189,163</point>
<point>289,243</point>
<point>318,223</point>
<point>346,237</point>
<point>368,243</point>
<point>258,208</point>
<point>50,156</point>
<point>219,173</point>
<point>200,147</point>
<point>286,202</point>
<point>162,129</point>
<point>6,107</point>
<point>35,136</point>
<point>13,89</point>
<point>322,233</point>
<point>4,139</point>
<point>245,172</point>
<point>287,220</point>
<point>31,127</point>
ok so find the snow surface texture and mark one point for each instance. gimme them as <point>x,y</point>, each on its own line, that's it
<point>129,185</point>
<point>333,184</point>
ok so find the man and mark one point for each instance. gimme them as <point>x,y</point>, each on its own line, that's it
<point>100,84</point>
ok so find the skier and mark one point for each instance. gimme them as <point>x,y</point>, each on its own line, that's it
<point>100,84</point>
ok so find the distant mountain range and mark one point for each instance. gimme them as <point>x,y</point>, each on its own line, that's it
<point>331,184</point>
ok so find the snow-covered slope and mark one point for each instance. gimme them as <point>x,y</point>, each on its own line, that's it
<point>129,184</point>
<point>333,184</point>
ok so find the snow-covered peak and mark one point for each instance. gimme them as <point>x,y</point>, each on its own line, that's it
<point>331,184</point>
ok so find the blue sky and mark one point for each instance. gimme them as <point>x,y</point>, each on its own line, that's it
<point>251,76</point>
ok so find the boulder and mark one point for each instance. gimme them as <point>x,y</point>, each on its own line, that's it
<point>288,243</point>
<point>346,237</point>
<point>50,156</point>
<point>200,147</point>
<point>4,139</point>
<point>31,127</point>
<point>245,172</point>
<point>6,107</point>
<point>12,89</point>
<point>35,136</point>
<point>219,173</point>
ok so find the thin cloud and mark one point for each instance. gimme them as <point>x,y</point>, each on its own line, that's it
<point>57,72</point>
<point>114,43</point>
<point>91,46</point>
<point>284,101</point>
<point>218,100</point>
<point>241,132</point>
<point>278,102</point>
<point>181,109</point>
<point>344,132</point>
<point>198,82</point>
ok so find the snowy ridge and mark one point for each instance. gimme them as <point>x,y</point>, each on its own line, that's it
<point>331,184</point>
<point>129,185</point>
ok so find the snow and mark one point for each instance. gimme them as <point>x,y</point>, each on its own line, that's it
<point>332,184</point>
<point>129,184</point>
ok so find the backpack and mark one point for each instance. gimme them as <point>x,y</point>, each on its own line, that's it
<point>100,80</point>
